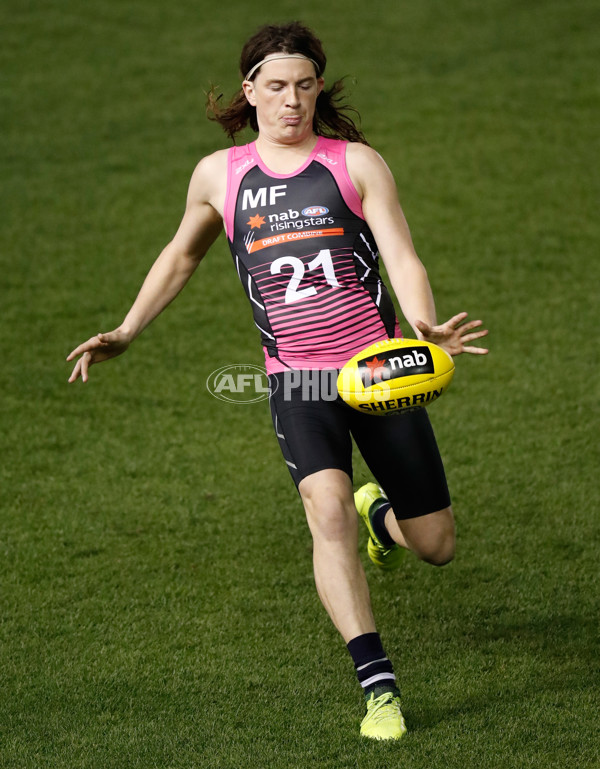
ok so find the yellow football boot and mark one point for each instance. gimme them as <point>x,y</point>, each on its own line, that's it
<point>367,499</point>
<point>384,719</point>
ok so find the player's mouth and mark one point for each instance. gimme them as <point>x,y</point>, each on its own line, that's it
<point>292,120</point>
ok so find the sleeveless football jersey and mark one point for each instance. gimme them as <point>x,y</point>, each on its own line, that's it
<point>306,258</point>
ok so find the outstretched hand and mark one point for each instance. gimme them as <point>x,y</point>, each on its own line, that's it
<point>95,350</point>
<point>453,335</point>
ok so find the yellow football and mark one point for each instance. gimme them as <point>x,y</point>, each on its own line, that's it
<point>395,375</point>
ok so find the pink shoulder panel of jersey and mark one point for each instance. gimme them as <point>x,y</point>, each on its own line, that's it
<point>332,154</point>
<point>239,160</point>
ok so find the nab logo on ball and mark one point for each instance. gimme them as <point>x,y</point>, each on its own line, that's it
<point>395,376</point>
<point>407,361</point>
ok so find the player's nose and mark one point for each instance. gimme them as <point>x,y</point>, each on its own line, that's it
<point>292,97</point>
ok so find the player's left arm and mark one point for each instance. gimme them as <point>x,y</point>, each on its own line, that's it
<point>408,276</point>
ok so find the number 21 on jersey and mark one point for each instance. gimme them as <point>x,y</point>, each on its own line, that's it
<point>293,292</point>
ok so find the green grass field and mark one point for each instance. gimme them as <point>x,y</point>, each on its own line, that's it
<point>157,601</point>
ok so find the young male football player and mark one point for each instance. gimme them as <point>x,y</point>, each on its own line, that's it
<point>308,208</point>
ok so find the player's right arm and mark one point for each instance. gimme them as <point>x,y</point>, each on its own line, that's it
<point>199,228</point>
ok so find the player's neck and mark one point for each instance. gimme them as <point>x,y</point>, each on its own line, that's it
<point>283,158</point>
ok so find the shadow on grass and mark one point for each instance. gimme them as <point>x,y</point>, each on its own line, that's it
<point>529,667</point>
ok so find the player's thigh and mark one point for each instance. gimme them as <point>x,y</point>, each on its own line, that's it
<point>313,432</point>
<point>402,453</point>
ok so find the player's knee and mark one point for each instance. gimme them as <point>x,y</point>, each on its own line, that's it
<point>439,553</point>
<point>438,546</point>
<point>330,519</point>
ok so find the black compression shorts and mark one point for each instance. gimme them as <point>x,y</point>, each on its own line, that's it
<point>314,430</point>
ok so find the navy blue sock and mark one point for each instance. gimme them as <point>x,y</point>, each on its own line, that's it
<point>378,524</point>
<point>373,668</point>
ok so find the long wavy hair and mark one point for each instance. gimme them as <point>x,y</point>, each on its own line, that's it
<point>333,118</point>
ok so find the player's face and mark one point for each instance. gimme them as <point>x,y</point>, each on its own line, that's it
<point>284,93</point>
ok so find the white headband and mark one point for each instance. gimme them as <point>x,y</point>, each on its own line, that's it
<point>275,56</point>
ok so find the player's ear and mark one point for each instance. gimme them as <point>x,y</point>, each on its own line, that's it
<point>320,84</point>
<point>248,87</point>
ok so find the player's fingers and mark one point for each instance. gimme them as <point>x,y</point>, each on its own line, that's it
<point>76,372</point>
<point>108,338</point>
<point>83,347</point>
<point>81,367</point>
<point>74,353</point>
<point>455,320</point>
<point>91,343</point>
<point>474,335</point>
<point>470,325</point>
<point>86,362</point>
<point>424,328</point>
<point>476,350</point>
